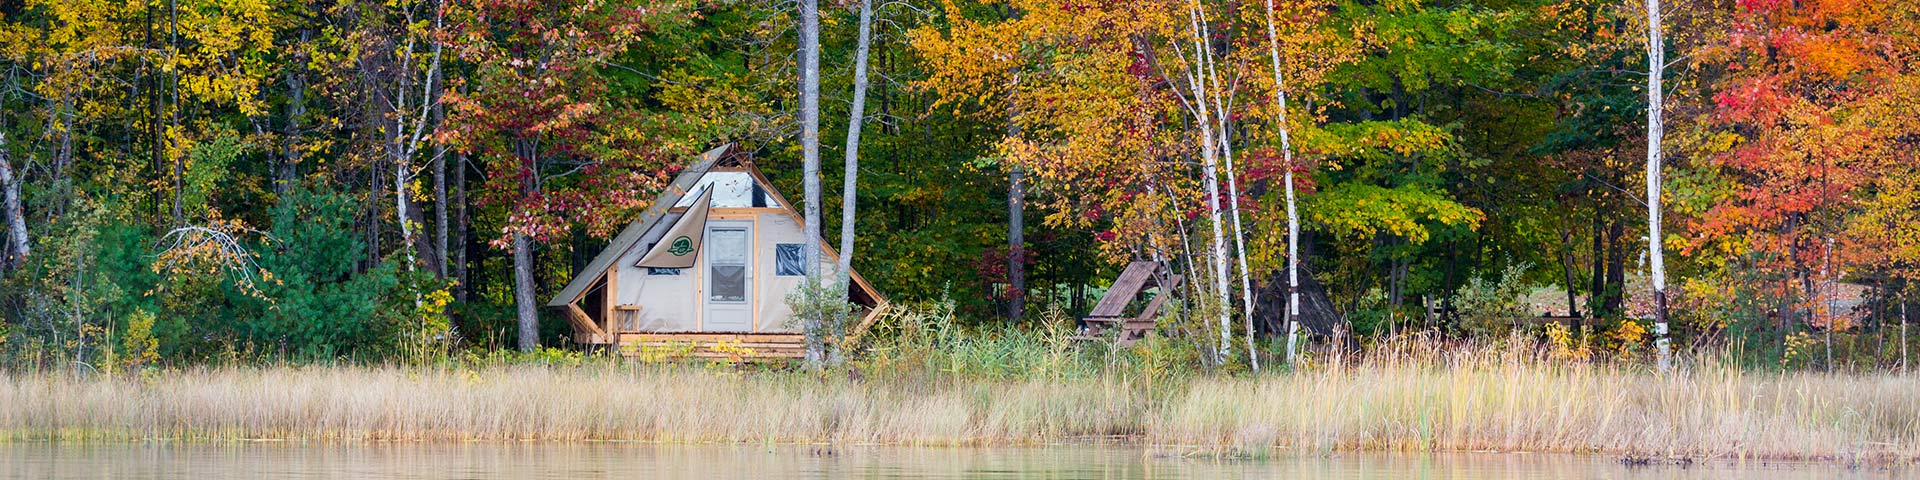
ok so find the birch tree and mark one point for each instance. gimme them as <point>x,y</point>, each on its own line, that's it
<point>1293,216</point>
<point>1209,154</point>
<point>1221,117</point>
<point>16,247</point>
<point>406,91</point>
<point>1656,63</point>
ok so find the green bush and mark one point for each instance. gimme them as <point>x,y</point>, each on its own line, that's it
<point>1488,307</point>
<point>313,301</point>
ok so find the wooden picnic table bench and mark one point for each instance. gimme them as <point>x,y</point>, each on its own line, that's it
<point>1109,314</point>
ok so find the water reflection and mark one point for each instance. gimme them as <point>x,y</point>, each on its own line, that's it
<point>255,461</point>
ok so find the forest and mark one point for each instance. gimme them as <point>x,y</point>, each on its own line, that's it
<point>194,182</point>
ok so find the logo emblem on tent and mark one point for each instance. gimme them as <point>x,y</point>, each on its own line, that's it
<point>681,246</point>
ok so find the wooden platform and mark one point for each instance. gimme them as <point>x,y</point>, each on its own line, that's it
<point>719,346</point>
<point>710,345</point>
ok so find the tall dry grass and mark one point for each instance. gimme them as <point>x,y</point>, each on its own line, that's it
<point>1431,401</point>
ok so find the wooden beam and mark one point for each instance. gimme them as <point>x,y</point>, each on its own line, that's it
<point>580,321</point>
<point>859,332</point>
<point>611,294</point>
<point>715,337</point>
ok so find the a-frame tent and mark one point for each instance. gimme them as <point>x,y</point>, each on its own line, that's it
<point>732,302</point>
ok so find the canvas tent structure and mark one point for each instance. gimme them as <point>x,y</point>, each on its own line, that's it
<point>747,255</point>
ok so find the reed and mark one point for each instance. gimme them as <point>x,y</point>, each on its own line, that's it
<point>1458,399</point>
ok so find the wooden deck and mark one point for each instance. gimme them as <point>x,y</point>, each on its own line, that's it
<point>705,345</point>
<point>718,346</point>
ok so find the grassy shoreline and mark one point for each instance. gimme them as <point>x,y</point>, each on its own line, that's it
<point>1704,412</point>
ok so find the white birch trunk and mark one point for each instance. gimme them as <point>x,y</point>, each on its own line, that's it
<point>1211,170</point>
<point>16,247</point>
<point>1656,64</point>
<point>810,158</point>
<point>404,144</point>
<point>1233,203</point>
<point>1293,216</point>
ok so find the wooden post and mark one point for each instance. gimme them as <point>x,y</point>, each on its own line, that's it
<point>610,299</point>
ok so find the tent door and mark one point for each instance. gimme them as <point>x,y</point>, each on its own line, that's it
<point>729,275</point>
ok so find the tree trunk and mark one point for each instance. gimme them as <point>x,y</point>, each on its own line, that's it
<point>405,213</point>
<point>286,172</point>
<point>16,247</point>
<point>462,281</point>
<point>1016,240</point>
<point>179,162</point>
<point>1826,299</point>
<point>1597,288</point>
<point>810,155</point>
<point>1220,118</point>
<point>523,292</point>
<point>848,199</point>
<point>1211,169</point>
<point>849,185</point>
<point>155,142</point>
<point>439,199</point>
<point>1616,266</point>
<point>529,318</point>
<point>1656,65</point>
<point>1293,215</point>
<point>1566,267</point>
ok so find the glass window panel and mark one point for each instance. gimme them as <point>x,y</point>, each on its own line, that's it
<point>729,283</point>
<point>727,246</point>
<point>730,189</point>
<point>788,260</point>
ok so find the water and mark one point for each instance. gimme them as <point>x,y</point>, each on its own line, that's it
<point>258,461</point>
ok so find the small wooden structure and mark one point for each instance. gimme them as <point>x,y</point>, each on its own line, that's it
<point>731,304</point>
<point>1109,315</point>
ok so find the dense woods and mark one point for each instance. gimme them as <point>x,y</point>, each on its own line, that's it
<point>193,181</point>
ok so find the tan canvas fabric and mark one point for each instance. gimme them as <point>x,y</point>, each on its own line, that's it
<point>681,245</point>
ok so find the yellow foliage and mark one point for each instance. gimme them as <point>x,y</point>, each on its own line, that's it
<point>1627,338</point>
<point>141,348</point>
<point>1565,345</point>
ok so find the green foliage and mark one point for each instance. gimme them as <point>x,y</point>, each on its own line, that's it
<point>317,303</point>
<point>1488,308</point>
<point>88,278</point>
<point>1438,146</point>
<point>927,340</point>
<point>1408,212</point>
<point>821,311</point>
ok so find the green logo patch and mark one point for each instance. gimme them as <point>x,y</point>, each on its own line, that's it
<point>681,246</point>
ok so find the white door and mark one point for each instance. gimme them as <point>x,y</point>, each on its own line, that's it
<point>729,288</point>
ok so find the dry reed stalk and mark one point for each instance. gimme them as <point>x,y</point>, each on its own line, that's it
<point>1409,401</point>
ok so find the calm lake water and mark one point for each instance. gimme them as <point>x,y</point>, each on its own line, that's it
<point>257,461</point>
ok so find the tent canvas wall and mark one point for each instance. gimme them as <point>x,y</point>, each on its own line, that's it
<point>749,260</point>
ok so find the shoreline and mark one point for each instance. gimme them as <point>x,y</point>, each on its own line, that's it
<point>1152,450</point>
<point>1703,415</point>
